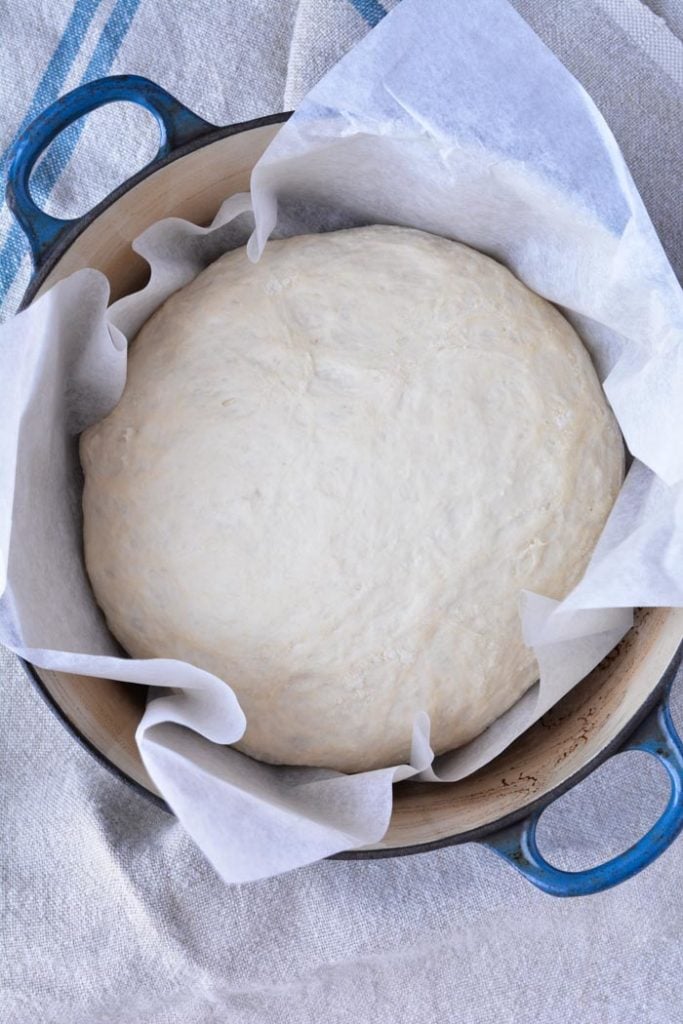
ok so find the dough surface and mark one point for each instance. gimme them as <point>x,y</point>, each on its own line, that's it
<point>329,477</point>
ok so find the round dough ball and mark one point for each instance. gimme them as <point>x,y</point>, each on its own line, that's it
<point>330,476</point>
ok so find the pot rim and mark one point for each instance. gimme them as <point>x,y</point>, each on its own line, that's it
<point>66,240</point>
<point>470,835</point>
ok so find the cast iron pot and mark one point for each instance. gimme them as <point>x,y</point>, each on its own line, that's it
<point>621,705</point>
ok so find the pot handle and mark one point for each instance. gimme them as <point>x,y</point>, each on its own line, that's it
<point>177,127</point>
<point>517,843</point>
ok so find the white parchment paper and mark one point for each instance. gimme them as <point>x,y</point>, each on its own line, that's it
<point>454,118</point>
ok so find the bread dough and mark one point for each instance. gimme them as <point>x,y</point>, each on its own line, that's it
<point>329,477</point>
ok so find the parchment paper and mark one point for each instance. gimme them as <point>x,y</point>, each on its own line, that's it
<point>450,117</point>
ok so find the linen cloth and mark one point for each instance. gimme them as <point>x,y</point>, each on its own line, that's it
<point>109,914</point>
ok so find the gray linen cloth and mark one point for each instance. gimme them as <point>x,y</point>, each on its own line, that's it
<point>108,912</point>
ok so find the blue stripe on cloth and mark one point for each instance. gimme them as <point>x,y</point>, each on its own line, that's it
<point>58,67</point>
<point>371,10</point>
<point>104,54</point>
<point>47,174</point>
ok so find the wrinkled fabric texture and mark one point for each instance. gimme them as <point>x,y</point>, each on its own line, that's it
<point>109,914</point>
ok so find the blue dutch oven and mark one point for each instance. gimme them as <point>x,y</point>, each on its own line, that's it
<point>622,705</point>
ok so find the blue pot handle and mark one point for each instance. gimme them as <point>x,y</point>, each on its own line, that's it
<point>517,843</point>
<point>177,127</point>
